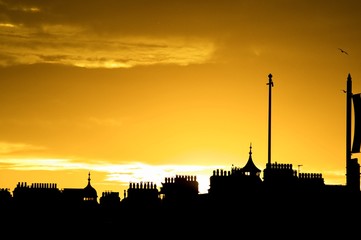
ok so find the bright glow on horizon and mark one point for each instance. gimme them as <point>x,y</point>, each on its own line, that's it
<point>116,173</point>
<point>124,174</point>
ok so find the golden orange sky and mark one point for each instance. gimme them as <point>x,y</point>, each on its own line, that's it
<point>138,90</point>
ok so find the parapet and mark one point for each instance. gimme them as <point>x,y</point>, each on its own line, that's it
<point>142,185</point>
<point>181,178</point>
<point>43,185</point>
<point>280,165</point>
<point>37,185</point>
<point>310,176</point>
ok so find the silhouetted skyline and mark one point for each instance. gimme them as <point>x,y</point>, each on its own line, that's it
<point>237,196</point>
<point>137,91</point>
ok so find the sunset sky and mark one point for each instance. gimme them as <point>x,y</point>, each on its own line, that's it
<point>140,90</point>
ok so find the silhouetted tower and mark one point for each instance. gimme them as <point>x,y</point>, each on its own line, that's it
<point>352,165</point>
<point>270,85</point>
<point>348,123</point>
<point>89,193</point>
<point>250,168</point>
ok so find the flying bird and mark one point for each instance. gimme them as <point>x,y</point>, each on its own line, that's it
<point>342,51</point>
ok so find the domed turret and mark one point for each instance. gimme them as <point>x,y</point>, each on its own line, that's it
<point>250,168</point>
<point>90,194</point>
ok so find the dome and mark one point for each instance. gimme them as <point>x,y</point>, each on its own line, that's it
<point>89,191</point>
<point>250,167</point>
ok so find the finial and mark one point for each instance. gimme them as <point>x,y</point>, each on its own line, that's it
<point>270,83</point>
<point>250,148</point>
<point>89,177</point>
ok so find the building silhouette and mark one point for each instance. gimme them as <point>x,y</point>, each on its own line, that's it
<point>283,197</point>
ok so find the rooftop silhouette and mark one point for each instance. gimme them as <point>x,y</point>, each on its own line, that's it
<point>284,196</point>
<point>238,191</point>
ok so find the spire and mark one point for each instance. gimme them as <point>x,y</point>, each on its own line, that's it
<point>250,167</point>
<point>250,151</point>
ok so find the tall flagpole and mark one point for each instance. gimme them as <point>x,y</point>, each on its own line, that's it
<point>270,85</point>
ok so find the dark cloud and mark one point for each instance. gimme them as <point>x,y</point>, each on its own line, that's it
<point>143,17</point>
<point>141,29</point>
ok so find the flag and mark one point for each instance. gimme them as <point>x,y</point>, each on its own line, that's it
<point>357,123</point>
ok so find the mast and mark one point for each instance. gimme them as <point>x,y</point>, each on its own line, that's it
<point>270,85</point>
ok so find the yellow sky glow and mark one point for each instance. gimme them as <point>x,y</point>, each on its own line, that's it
<point>138,92</point>
<point>122,173</point>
